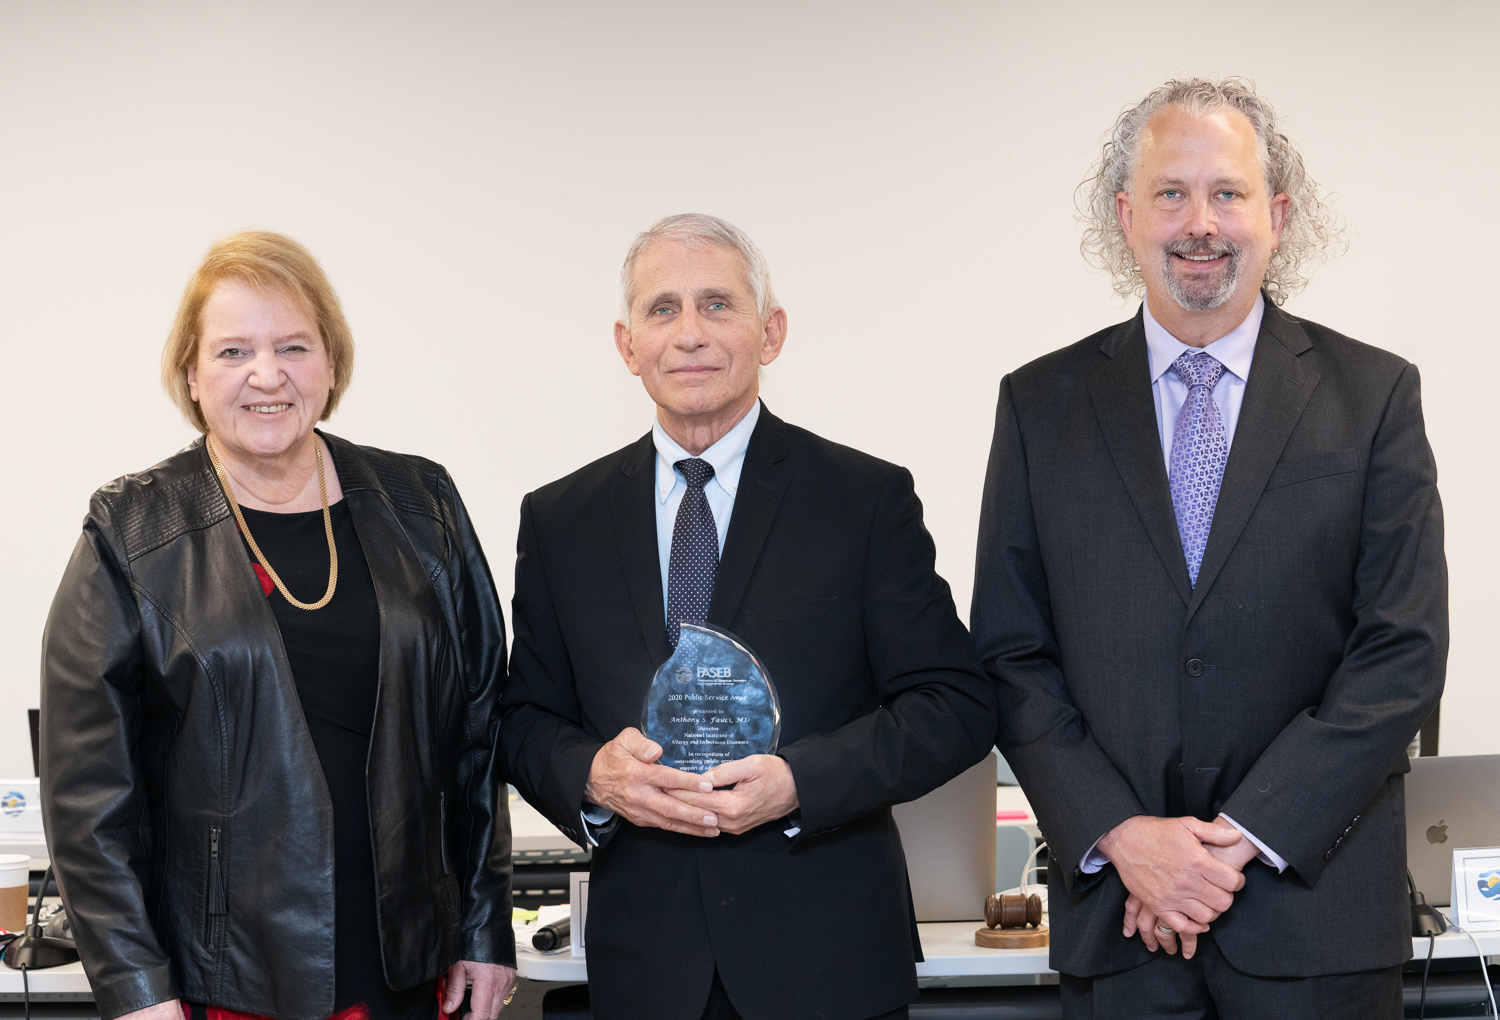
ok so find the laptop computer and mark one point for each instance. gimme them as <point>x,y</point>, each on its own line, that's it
<point>949,839</point>
<point>1451,802</point>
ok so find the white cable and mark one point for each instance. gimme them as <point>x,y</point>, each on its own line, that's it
<point>1030,865</point>
<point>1484,967</point>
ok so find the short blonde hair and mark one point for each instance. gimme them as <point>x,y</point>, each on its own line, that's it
<point>266,262</point>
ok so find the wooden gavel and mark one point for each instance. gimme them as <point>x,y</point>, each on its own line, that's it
<point>1012,921</point>
<point>1012,910</point>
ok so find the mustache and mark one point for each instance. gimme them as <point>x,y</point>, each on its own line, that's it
<point>1212,246</point>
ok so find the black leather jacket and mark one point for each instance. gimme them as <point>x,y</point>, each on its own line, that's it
<point>185,807</point>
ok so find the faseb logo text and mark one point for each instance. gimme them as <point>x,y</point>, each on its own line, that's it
<point>714,675</point>
<point>13,804</point>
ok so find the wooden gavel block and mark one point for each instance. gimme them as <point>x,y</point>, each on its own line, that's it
<point>1012,921</point>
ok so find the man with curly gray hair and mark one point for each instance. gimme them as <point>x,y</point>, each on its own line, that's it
<point>1308,228</point>
<point>1212,591</point>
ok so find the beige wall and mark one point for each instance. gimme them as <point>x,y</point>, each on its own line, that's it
<point>470,175</point>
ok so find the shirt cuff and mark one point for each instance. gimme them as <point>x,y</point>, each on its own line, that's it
<point>1267,855</point>
<point>596,821</point>
<point>1093,861</point>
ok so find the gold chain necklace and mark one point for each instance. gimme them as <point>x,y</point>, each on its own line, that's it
<point>333,553</point>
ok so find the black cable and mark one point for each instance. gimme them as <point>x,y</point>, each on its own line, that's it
<point>1422,1008</point>
<point>36,911</point>
<point>26,984</point>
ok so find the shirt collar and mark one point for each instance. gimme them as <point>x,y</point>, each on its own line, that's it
<point>727,455</point>
<point>1234,350</point>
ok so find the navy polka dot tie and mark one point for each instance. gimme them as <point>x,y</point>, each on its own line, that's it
<point>695,552</point>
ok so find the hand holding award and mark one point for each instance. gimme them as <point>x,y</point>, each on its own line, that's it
<point>713,709</point>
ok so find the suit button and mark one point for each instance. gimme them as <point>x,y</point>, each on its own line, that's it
<point>1194,667</point>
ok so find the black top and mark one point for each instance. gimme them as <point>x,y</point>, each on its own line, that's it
<point>334,653</point>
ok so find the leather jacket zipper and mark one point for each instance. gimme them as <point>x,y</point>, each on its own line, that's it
<point>443,828</point>
<point>218,903</point>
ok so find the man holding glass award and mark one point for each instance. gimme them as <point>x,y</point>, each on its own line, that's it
<point>732,656</point>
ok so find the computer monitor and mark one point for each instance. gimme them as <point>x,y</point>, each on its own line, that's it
<point>949,839</point>
<point>1451,803</point>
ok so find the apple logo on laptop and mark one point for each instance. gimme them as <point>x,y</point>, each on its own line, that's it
<point>1437,833</point>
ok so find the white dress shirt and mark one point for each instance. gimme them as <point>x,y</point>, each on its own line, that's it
<point>727,457</point>
<point>1234,350</point>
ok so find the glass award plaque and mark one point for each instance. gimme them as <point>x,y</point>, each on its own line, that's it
<point>711,702</point>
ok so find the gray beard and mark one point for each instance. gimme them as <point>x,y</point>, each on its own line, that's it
<point>1205,295</point>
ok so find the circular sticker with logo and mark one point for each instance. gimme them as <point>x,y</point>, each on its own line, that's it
<point>1489,885</point>
<point>13,804</point>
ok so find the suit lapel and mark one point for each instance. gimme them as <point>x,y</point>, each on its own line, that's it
<point>763,482</point>
<point>1120,389</point>
<point>1277,391</point>
<point>633,514</point>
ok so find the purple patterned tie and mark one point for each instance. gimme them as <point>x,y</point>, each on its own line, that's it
<point>1200,449</point>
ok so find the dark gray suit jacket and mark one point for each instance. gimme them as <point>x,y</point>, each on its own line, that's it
<point>1282,690</point>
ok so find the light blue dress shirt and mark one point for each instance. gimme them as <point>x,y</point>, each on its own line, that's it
<point>1234,350</point>
<point>727,457</point>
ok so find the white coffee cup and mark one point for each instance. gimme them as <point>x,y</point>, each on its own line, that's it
<point>15,880</point>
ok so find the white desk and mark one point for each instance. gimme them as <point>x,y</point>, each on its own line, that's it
<point>950,952</point>
<point>59,984</point>
<point>949,948</point>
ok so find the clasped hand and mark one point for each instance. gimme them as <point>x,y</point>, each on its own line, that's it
<point>626,779</point>
<point>1181,872</point>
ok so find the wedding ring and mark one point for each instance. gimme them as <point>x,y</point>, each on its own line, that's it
<point>1164,931</point>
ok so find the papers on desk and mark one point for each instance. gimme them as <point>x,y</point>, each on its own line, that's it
<point>526,922</point>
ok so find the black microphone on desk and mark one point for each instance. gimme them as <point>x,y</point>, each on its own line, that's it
<point>35,949</point>
<point>552,936</point>
<point>1425,920</point>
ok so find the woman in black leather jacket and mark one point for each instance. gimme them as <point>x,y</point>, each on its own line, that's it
<point>269,681</point>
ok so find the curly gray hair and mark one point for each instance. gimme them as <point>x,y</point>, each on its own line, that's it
<point>1311,230</point>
